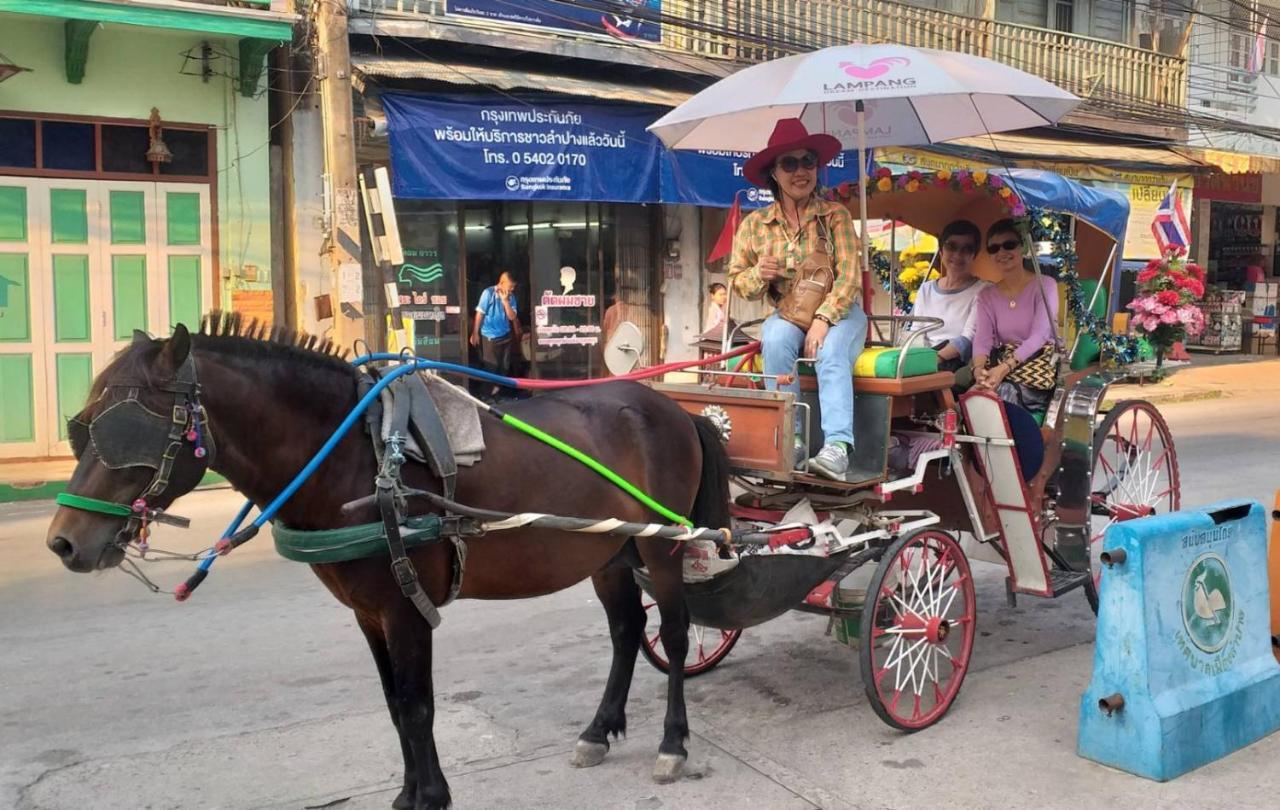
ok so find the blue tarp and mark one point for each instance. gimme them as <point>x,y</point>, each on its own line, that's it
<point>1106,210</point>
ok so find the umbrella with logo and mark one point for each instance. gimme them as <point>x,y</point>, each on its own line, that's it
<point>866,96</point>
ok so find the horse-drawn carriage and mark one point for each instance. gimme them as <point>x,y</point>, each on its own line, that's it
<point>1036,494</point>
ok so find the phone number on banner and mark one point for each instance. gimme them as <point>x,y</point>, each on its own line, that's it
<point>535,158</point>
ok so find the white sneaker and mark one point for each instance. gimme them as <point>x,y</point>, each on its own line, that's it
<point>831,462</point>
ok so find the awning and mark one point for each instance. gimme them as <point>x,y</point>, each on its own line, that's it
<point>254,23</point>
<point>1235,162</point>
<point>381,67</point>
<point>1049,154</point>
<point>1053,154</point>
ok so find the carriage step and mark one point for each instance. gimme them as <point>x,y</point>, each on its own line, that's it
<point>1061,581</point>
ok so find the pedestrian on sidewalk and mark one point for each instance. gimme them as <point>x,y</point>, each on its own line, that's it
<point>496,328</point>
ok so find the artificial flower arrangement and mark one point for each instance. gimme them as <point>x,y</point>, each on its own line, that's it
<point>916,270</point>
<point>1165,308</point>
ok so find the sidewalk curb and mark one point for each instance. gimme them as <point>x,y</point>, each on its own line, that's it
<point>22,491</point>
<point>1168,397</point>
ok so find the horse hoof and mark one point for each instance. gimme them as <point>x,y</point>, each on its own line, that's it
<point>404,801</point>
<point>668,768</point>
<point>588,754</point>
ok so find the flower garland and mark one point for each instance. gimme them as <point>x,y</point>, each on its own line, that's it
<point>1044,226</point>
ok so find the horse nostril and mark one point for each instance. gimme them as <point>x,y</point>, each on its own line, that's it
<point>62,547</point>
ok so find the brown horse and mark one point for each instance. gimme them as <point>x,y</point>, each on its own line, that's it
<point>270,403</point>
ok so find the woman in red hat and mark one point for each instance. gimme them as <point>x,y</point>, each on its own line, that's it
<point>768,248</point>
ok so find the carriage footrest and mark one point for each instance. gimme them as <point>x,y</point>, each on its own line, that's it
<point>1061,581</point>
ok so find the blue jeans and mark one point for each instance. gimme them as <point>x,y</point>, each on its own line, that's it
<point>783,341</point>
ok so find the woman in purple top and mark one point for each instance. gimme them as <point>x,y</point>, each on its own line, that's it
<point>1015,320</point>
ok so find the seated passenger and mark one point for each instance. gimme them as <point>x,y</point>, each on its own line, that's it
<point>952,297</point>
<point>1015,338</point>
<point>771,243</point>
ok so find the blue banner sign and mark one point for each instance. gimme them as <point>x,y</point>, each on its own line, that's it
<point>563,16</point>
<point>535,147</point>
<point>712,178</point>
<point>468,147</point>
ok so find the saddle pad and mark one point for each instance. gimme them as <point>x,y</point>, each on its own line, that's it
<point>351,542</point>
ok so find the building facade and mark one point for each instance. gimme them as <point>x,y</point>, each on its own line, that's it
<point>134,189</point>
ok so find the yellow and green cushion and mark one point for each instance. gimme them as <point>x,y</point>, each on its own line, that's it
<point>882,362</point>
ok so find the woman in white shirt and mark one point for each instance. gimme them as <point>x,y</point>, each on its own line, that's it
<point>951,298</point>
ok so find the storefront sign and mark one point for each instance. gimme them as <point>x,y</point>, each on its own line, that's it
<point>494,147</point>
<point>712,178</point>
<point>1242,188</point>
<point>1139,241</point>
<point>566,333</point>
<point>563,16</point>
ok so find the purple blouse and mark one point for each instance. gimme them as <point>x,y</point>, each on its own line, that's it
<point>1024,323</point>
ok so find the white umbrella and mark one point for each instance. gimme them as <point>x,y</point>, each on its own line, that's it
<point>867,96</point>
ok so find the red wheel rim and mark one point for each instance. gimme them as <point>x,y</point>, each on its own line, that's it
<point>707,645</point>
<point>1135,473</point>
<point>923,630</point>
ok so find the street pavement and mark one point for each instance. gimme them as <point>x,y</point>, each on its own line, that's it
<point>259,692</point>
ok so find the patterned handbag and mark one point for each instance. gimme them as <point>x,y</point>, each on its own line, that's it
<point>1039,372</point>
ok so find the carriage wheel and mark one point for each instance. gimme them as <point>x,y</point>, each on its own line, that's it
<point>1135,474</point>
<point>708,646</point>
<point>918,629</point>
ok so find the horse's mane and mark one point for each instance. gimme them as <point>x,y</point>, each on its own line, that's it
<point>250,337</point>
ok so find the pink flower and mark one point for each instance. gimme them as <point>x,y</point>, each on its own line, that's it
<point>1169,316</point>
<point>1018,210</point>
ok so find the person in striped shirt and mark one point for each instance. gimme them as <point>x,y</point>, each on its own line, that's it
<point>768,247</point>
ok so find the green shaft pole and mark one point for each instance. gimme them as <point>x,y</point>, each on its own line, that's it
<point>610,475</point>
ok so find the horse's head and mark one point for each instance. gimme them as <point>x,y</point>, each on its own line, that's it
<point>141,443</point>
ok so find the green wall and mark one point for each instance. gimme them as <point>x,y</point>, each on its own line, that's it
<point>132,69</point>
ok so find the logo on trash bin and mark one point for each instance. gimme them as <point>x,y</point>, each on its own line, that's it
<point>1208,606</point>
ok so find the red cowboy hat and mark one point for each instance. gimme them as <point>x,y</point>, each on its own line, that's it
<point>789,134</point>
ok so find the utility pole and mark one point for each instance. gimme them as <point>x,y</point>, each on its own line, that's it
<point>342,219</point>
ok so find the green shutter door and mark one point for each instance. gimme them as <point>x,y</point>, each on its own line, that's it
<point>183,246</point>
<point>19,356</point>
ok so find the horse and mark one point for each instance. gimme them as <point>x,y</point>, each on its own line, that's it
<point>269,398</point>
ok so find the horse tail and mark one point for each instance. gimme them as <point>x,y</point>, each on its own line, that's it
<point>711,504</point>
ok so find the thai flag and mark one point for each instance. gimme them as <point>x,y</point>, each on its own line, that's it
<point>1170,226</point>
<point>1258,56</point>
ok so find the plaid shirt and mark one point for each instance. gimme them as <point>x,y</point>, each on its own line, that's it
<point>764,233</point>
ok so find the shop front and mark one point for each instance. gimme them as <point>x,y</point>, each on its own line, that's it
<point>572,198</point>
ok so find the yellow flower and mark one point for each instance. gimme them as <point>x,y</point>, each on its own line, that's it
<point>884,184</point>
<point>913,185</point>
<point>912,296</point>
<point>979,177</point>
<point>1005,192</point>
<point>944,175</point>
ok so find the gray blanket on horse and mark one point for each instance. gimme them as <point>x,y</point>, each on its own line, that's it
<point>440,425</point>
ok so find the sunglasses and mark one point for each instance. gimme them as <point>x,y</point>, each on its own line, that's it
<point>790,163</point>
<point>1008,244</point>
<point>965,248</point>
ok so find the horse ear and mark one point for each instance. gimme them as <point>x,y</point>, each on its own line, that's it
<point>176,349</point>
<point>140,336</point>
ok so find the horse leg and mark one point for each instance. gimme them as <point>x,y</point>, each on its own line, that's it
<point>620,596</point>
<point>382,659</point>
<point>667,572</point>
<point>409,651</point>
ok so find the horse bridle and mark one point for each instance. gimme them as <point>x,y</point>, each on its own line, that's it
<point>129,434</point>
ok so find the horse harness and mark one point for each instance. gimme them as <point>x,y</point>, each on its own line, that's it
<point>129,434</point>
<point>405,424</point>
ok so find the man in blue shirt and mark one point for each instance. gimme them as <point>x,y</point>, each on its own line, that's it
<point>496,328</point>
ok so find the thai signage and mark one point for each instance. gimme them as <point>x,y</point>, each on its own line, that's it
<point>628,19</point>
<point>534,147</point>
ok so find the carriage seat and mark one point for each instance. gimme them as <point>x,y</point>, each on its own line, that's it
<point>875,372</point>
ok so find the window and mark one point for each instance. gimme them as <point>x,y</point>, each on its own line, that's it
<point>17,143</point>
<point>67,145</point>
<point>55,145</point>
<point>1064,15</point>
<point>1238,53</point>
<point>1273,58</point>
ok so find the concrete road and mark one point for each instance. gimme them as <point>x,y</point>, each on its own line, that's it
<point>259,693</point>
